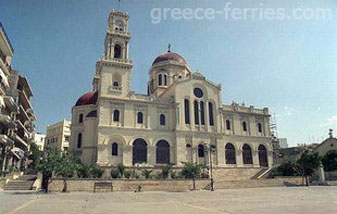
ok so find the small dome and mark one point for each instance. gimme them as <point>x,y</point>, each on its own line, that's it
<point>89,98</point>
<point>169,56</point>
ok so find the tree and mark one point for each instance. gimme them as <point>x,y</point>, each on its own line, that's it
<point>35,155</point>
<point>308,162</point>
<point>191,170</point>
<point>66,168</point>
<point>329,161</point>
<point>57,163</point>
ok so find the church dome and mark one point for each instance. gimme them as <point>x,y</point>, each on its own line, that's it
<point>87,99</point>
<point>169,56</point>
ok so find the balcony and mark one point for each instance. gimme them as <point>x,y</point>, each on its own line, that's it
<point>4,139</point>
<point>31,114</point>
<point>118,60</point>
<point>24,100</point>
<point>5,119</point>
<point>120,33</point>
<point>18,139</point>
<point>11,104</point>
<point>19,153</point>
<point>24,114</point>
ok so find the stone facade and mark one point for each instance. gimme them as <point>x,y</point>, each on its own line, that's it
<point>180,119</point>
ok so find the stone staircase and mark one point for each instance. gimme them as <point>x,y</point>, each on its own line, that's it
<point>24,182</point>
<point>262,173</point>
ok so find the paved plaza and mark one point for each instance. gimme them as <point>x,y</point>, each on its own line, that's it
<point>288,200</point>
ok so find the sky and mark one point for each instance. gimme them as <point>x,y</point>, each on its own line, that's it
<point>287,65</point>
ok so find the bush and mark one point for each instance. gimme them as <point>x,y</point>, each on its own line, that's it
<point>127,174</point>
<point>83,171</point>
<point>115,173</point>
<point>166,170</point>
<point>147,173</point>
<point>287,168</point>
<point>121,169</point>
<point>96,172</point>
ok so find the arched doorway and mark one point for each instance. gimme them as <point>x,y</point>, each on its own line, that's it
<point>263,159</point>
<point>139,151</point>
<point>163,152</point>
<point>230,154</point>
<point>247,154</point>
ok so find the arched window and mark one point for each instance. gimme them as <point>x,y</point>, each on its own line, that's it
<point>201,151</point>
<point>162,119</point>
<point>116,116</point>
<point>187,111</point>
<point>117,51</point>
<point>139,151</point>
<point>196,112</point>
<point>230,154</point>
<point>244,126</point>
<point>114,149</point>
<point>140,117</point>
<point>79,140</point>
<point>165,79</point>
<point>263,160</point>
<point>247,154</point>
<point>163,152</point>
<point>160,81</point>
<point>202,113</point>
<point>80,118</point>
<point>115,84</point>
<point>188,145</point>
<point>211,116</point>
<point>228,125</point>
<point>259,127</point>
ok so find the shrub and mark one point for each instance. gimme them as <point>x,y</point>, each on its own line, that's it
<point>287,168</point>
<point>121,169</point>
<point>83,171</point>
<point>127,174</point>
<point>146,173</point>
<point>115,173</point>
<point>96,172</point>
<point>166,170</point>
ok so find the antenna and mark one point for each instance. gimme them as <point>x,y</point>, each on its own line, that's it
<point>169,47</point>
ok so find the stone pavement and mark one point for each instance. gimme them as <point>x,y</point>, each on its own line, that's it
<point>275,200</point>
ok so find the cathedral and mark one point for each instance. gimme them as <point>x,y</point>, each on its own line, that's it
<point>180,119</point>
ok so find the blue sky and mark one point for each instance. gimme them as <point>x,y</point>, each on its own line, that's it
<point>286,65</point>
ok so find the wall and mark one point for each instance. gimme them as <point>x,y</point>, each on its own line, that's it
<point>87,185</point>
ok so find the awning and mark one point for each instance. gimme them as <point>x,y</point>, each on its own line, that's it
<point>4,79</point>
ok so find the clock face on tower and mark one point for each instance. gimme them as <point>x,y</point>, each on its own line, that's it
<point>119,25</point>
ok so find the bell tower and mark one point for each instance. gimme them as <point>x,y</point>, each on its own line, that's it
<point>113,70</point>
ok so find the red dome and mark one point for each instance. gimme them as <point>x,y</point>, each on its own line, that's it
<point>87,99</point>
<point>169,56</point>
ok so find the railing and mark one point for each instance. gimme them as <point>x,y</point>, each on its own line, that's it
<point>9,42</point>
<point>120,32</point>
<point>110,58</point>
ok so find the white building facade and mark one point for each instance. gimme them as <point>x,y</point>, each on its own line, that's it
<point>177,121</point>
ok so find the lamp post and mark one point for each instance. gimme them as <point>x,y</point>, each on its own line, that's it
<point>211,150</point>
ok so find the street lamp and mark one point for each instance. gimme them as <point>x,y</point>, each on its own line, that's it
<point>212,149</point>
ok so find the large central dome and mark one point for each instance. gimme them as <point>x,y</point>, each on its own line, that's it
<point>169,56</point>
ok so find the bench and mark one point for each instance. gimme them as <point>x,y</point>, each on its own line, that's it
<point>103,185</point>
